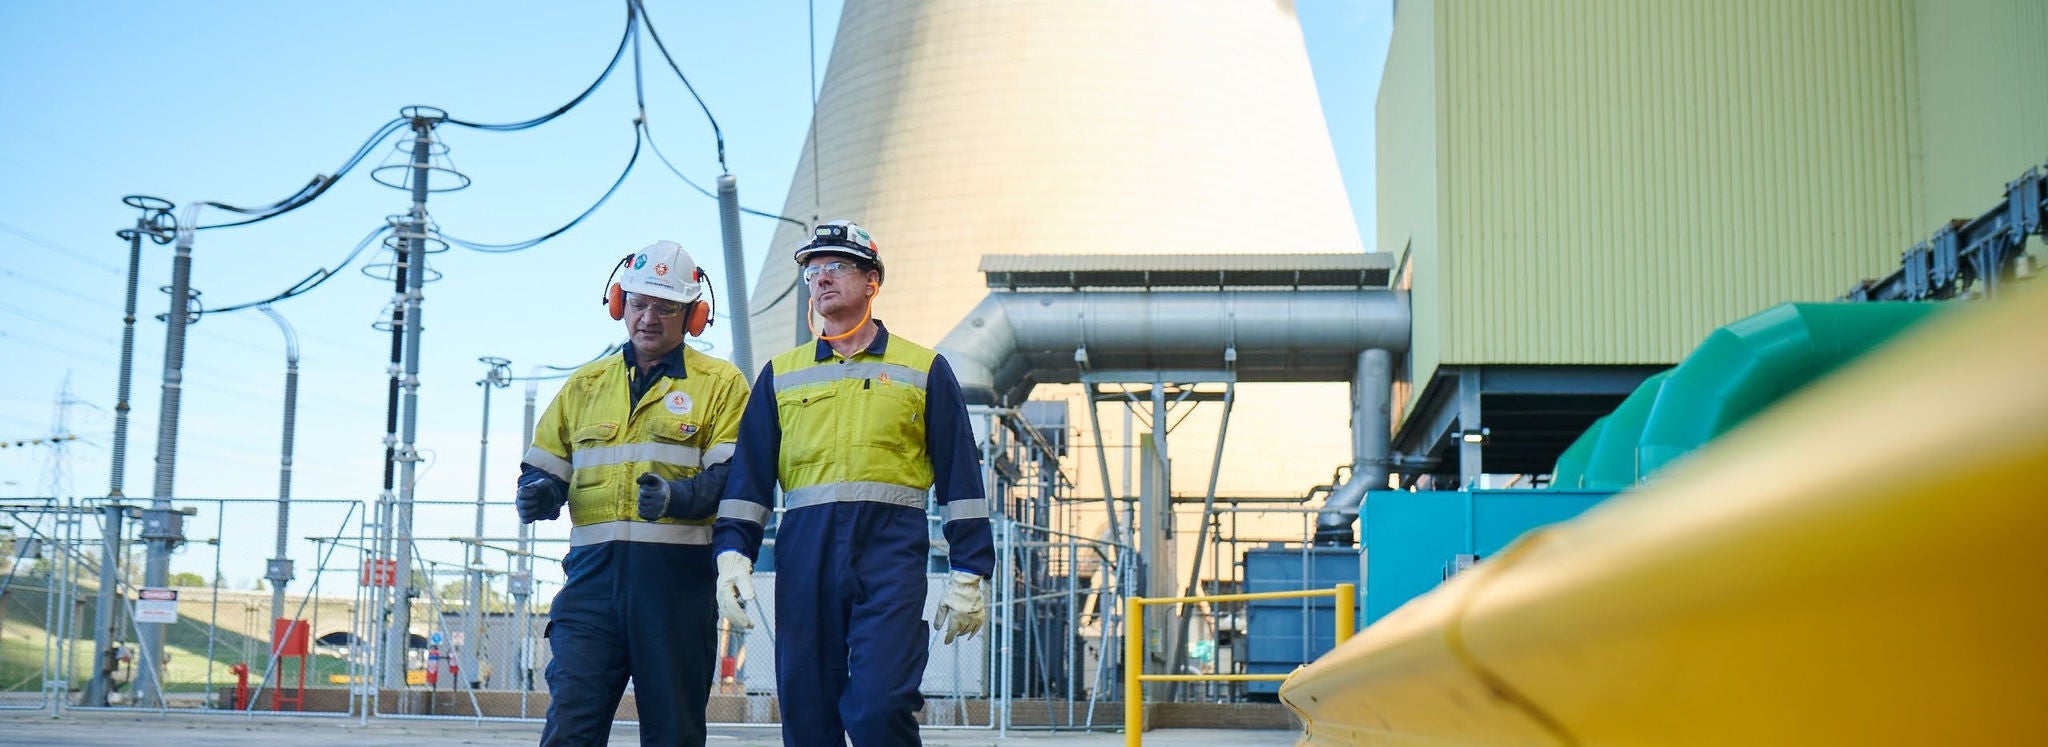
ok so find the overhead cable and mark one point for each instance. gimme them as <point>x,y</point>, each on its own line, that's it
<point>632,22</point>
<point>309,283</point>
<point>313,189</point>
<point>715,132</point>
<point>530,243</point>
<point>649,134</point>
<point>563,372</point>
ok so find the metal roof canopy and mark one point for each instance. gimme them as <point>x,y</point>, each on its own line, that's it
<point>1530,413</point>
<point>1187,271</point>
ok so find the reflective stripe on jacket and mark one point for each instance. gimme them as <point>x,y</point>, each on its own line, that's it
<point>594,440</point>
<point>854,421</point>
<point>884,427</point>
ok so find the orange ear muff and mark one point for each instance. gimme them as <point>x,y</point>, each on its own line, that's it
<point>615,296</point>
<point>698,318</point>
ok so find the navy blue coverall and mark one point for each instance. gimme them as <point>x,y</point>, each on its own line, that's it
<point>850,440</point>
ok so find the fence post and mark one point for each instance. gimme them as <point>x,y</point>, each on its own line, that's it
<point>1134,665</point>
<point>1347,612</point>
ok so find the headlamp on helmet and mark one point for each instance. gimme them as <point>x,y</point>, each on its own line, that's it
<point>842,238</point>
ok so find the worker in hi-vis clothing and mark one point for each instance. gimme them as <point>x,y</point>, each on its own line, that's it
<point>638,446</point>
<point>858,426</point>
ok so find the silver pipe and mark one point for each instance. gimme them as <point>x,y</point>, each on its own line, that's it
<point>1371,454</point>
<point>736,276</point>
<point>1013,341</point>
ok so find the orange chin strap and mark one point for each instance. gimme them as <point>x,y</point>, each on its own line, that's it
<point>865,315</point>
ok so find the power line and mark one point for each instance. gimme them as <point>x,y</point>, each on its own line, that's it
<point>530,243</point>
<point>707,193</point>
<point>84,356</point>
<point>32,342</point>
<point>313,189</point>
<point>108,305</point>
<point>61,250</point>
<point>32,316</point>
<point>632,22</point>
<point>308,283</point>
<point>715,132</point>
<point>59,290</point>
<point>66,147</point>
<point>22,443</point>
<point>817,182</point>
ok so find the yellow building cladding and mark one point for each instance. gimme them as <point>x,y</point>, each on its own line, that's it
<point>1604,182</point>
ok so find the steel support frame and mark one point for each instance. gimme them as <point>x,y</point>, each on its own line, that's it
<point>1182,383</point>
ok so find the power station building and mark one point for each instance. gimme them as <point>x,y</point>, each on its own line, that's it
<point>1581,190</point>
<point>1571,194</point>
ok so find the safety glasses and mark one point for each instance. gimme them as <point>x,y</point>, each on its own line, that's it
<point>836,268</point>
<point>661,309</point>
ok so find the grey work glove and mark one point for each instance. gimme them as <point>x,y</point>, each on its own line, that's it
<point>690,498</point>
<point>540,497</point>
<point>962,611</point>
<point>735,589</point>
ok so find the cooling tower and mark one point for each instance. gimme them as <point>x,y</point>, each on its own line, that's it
<point>955,129</point>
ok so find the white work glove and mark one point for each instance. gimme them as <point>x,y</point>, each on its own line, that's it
<point>961,610</point>
<point>735,589</point>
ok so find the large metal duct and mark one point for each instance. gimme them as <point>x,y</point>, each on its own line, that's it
<point>1012,342</point>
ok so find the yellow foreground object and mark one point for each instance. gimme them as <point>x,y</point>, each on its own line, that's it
<point>1867,563</point>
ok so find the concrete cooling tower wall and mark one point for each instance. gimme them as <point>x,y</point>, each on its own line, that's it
<point>954,130</point>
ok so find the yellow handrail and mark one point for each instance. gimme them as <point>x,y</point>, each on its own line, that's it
<point>1134,646</point>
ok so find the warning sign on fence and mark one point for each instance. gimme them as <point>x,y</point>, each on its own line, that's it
<point>380,572</point>
<point>156,606</point>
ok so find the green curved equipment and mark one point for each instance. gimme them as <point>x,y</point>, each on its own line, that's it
<point>1738,371</point>
<point>1570,471</point>
<point>1611,465</point>
<point>1744,368</point>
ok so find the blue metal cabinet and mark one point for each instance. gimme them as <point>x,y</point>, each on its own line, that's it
<point>1281,634</point>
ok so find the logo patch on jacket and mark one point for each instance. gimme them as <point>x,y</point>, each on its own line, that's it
<point>686,430</point>
<point>883,378</point>
<point>679,403</point>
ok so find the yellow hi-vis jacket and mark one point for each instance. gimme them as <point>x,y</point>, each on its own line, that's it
<point>592,438</point>
<point>850,428</point>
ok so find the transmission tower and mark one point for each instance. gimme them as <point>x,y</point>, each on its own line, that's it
<point>57,462</point>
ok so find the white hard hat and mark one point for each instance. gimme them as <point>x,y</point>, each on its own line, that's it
<point>842,238</point>
<point>663,270</point>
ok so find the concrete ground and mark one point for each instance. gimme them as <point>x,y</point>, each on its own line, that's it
<point>122,729</point>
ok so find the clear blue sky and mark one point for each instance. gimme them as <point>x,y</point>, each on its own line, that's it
<point>243,102</point>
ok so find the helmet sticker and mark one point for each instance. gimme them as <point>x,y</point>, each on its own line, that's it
<point>639,261</point>
<point>660,269</point>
